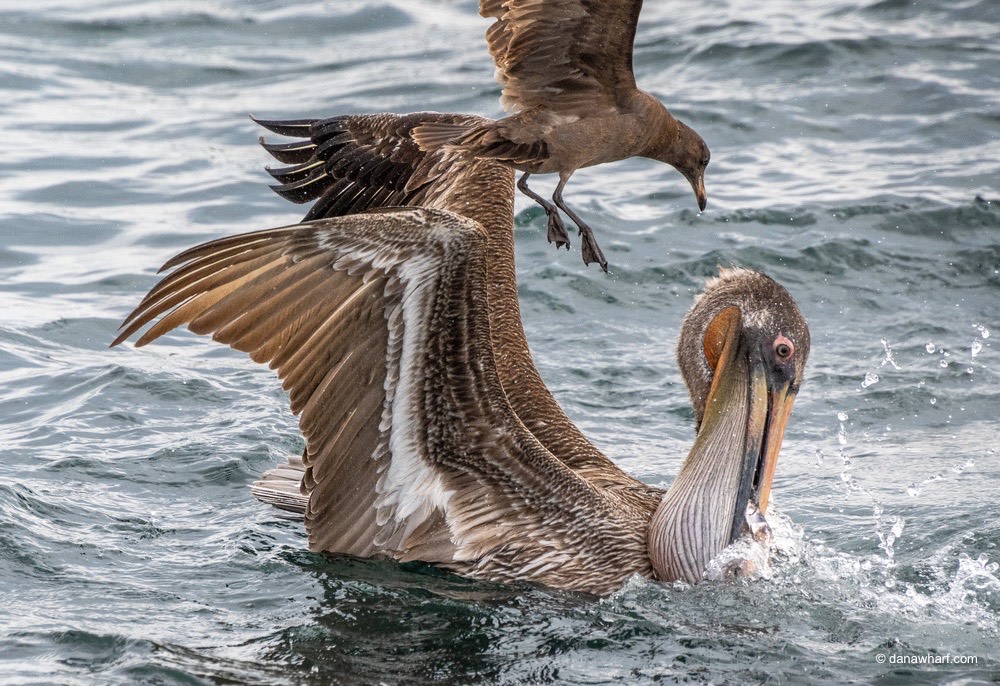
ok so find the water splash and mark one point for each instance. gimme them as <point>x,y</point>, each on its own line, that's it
<point>889,357</point>
<point>975,348</point>
<point>960,469</point>
<point>845,474</point>
<point>894,533</point>
<point>871,378</point>
<point>983,331</point>
<point>962,592</point>
<point>750,556</point>
<point>930,347</point>
<point>916,488</point>
<point>887,539</point>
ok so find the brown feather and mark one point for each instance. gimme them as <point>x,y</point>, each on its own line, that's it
<point>549,52</point>
<point>484,189</point>
<point>343,378</point>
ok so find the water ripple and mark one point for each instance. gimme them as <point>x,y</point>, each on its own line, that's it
<point>854,158</point>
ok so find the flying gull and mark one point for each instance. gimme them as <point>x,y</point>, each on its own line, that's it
<point>566,71</point>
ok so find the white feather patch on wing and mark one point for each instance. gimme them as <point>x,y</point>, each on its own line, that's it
<point>410,489</point>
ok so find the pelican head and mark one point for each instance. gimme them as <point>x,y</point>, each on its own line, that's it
<point>742,352</point>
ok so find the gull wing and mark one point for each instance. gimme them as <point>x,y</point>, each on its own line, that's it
<point>569,56</point>
<point>375,326</point>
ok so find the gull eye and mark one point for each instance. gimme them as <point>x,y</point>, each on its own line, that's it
<point>783,347</point>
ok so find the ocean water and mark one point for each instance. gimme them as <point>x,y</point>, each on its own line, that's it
<point>855,158</point>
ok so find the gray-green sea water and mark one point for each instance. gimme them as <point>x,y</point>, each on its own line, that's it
<point>855,158</point>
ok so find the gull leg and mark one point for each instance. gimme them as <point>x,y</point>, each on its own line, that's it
<point>590,250</point>
<point>557,230</point>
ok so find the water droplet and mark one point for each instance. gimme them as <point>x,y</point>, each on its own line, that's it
<point>970,370</point>
<point>944,362</point>
<point>933,401</point>
<point>977,346</point>
<point>889,359</point>
<point>842,416</point>
<point>983,331</point>
<point>870,378</point>
<point>930,347</point>
<point>897,527</point>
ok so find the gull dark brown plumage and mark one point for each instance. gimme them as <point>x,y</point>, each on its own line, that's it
<point>428,434</point>
<point>566,71</point>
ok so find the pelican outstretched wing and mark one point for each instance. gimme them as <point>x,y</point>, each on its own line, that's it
<point>353,163</point>
<point>376,326</point>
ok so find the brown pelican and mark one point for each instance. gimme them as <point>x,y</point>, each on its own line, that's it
<point>429,435</point>
<point>566,71</point>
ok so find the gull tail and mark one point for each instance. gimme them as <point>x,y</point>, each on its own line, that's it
<point>434,135</point>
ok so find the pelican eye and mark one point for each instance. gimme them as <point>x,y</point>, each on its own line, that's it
<point>783,347</point>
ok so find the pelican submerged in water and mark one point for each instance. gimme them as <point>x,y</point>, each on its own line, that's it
<point>429,434</point>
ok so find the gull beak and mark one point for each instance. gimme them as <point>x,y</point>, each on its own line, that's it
<point>698,184</point>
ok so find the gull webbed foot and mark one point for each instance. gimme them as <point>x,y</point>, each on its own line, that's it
<point>589,248</point>
<point>557,229</point>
